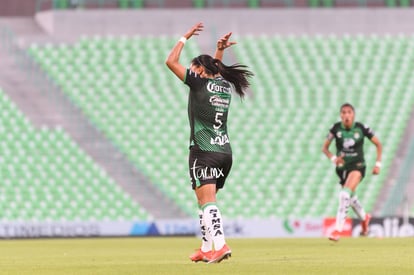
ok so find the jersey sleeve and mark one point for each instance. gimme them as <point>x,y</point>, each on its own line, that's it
<point>193,80</point>
<point>368,132</point>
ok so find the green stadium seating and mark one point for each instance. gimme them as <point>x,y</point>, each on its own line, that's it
<point>137,4</point>
<point>125,89</point>
<point>47,177</point>
<point>199,3</point>
<point>123,4</point>
<point>154,106</point>
<point>308,73</point>
<point>253,3</point>
<point>321,3</point>
<point>391,3</point>
<point>398,3</point>
<point>60,4</point>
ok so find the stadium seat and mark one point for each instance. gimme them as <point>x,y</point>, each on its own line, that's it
<point>293,55</point>
<point>123,4</point>
<point>276,133</point>
<point>47,177</point>
<point>60,4</point>
<point>253,3</point>
<point>199,3</point>
<point>137,4</point>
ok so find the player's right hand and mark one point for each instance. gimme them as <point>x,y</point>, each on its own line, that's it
<point>194,30</point>
<point>339,161</point>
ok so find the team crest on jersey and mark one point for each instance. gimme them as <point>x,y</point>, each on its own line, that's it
<point>356,135</point>
<point>339,134</point>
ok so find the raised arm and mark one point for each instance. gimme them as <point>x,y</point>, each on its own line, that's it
<point>173,59</point>
<point>222,44</point>
<point>378,145</point>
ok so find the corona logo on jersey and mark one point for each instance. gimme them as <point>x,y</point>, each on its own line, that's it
<point>214,88</point>
<point>206,173</point>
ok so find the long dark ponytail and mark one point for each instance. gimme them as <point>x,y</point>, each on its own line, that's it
<point>237,74</point>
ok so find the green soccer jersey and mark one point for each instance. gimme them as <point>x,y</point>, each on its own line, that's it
<point>350,143</point>
<point>208,107</point>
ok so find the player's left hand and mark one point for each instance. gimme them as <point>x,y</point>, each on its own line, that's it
<point>224,43</point>
<point>376,170</point>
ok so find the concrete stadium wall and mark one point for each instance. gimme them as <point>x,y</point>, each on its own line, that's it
<point>70,23</point>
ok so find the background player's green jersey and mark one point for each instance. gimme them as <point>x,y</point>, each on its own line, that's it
<point>350,143</point>
<point>208,106</point>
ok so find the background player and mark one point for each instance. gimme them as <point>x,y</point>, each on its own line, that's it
<point>350,165</point>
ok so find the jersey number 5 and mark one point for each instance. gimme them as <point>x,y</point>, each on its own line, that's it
<point>218,123</point>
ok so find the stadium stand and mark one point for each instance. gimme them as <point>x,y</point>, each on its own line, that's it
<point>47,177</point>
<point>140,114</point>
<point>121,84</point>
<point>313,74</point>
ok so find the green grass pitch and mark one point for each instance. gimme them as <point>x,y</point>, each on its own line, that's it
<point>165,255</point>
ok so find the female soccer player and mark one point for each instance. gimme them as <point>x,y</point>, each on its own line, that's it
<point>210,159</point>
<point>350,165</point>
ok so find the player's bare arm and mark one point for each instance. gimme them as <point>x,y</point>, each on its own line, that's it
<point>325,149</point>
<point>222,44</point>
<point>173,59</point>
<point>378,145</point>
